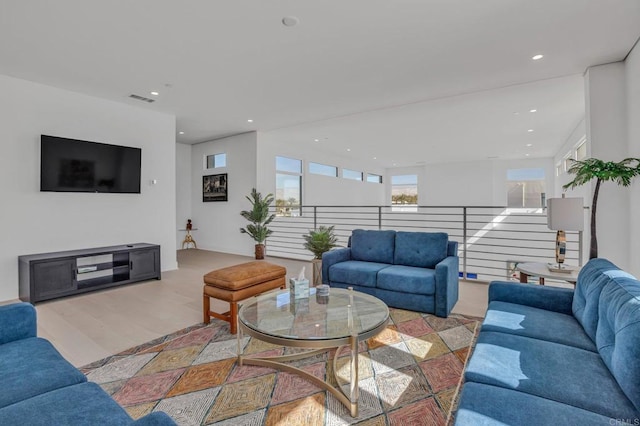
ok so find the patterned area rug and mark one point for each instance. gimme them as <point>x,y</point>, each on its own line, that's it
<point>409,375</point>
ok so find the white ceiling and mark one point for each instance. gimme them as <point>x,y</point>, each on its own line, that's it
<point>403,80</point>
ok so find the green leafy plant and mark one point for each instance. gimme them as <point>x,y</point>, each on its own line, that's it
<point>258,216</point>
<point>321,240</point>
<point>621,173</point>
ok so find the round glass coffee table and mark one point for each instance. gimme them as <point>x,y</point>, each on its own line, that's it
<point>319,324</point>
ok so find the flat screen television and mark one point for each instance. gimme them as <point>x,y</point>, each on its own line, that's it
<point>71,165</point>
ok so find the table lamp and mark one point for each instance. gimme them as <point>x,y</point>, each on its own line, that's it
<point>564,214</point>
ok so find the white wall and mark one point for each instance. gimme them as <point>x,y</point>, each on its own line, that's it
<point>219,222</point>
<point>633,114</point>
<point>606,125</point>
<point>37,222</point>
<point>183,191</point>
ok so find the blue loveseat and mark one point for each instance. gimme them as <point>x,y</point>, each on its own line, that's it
<point>39,387</point>
<point>408,270</point>
<point>555,356</point>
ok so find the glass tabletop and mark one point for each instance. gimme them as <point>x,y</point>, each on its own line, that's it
<point>341,314</point>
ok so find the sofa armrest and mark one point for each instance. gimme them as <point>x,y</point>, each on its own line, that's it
<point>446,296</point>
<point>331,258</point>
<point>157,418</point>
<point>17,322</point>
<point>554,299</point>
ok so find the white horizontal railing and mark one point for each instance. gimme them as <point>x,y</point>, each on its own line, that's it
<point>491,240</point>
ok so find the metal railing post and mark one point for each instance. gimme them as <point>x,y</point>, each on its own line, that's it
<point>379,217</point>
<point>315,217</point>
<point>464,243</point>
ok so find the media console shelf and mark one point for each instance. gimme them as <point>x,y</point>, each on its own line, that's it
<point>51,275</point>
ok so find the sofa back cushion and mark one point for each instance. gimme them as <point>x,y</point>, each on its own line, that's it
<point>586,299</point>
<point>421,249</point>
<point>373,246</point>
<point>618,333</point>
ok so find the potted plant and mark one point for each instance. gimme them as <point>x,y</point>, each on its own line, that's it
<point>592,168</point>
<point>259,217</point>
<point>317,242</point>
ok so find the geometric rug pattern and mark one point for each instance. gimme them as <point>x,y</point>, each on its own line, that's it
<point>408,375</point>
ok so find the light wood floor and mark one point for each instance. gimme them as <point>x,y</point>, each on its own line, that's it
<point>93,326</point>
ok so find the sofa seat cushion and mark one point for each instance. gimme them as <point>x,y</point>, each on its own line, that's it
<point>420,249</point>
<point>484,405</point>
<point>32,366</point>
<point>356,272</point>
<point>549,370</point>
<point>373,246</point>
<point>538,323</point>
<point>78,405</point>
<point>408,279</point>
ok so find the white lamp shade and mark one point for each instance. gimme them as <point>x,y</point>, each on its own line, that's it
<point>566,214</point>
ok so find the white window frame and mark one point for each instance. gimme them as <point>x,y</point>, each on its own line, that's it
<point>206,160</point>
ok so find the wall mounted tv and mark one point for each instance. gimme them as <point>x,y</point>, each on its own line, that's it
<point>70,165</point>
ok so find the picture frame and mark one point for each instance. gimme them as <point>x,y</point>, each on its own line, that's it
<point>214,188</point>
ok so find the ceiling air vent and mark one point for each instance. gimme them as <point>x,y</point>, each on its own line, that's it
<point>141,98</point>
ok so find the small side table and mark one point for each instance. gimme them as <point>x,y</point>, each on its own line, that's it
<point>188,239</point>
<point>541,270</point>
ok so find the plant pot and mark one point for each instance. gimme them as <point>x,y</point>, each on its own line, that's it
<point>260,251</point>
<point>317,272</point>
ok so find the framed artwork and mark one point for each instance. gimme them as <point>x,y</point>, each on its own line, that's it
<point>214,188</point>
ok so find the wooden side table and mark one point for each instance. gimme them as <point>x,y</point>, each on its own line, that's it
<point>541,270</point>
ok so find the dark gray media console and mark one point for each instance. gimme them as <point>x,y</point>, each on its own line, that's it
<point>51,275</point>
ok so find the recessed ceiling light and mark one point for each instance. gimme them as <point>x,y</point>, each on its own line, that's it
<point>526,155</point>
<point>349,149</point>
<point>182,133</point>
<point>533,110</point>
<point>316,140</point>
<point>155,93</point>
<point>529,144</point>
<point>536,57</point>
<point>249,121</point>
<point>375,158</point>
<point>394,164</point>
<point>290,21</point>
<point>530,130</point>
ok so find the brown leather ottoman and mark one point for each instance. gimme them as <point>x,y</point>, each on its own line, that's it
<point>237,283</point>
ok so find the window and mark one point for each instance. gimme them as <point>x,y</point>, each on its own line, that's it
<point>288,186</point>
<point>567,162</point>
<point>216,160</point>
<point>559,169</point>
<point>351,174</point>
<point>374,178</point>
<point>581,151</point>
<point>525,188</point>
<point>404,190</point>
<point>323,169</point>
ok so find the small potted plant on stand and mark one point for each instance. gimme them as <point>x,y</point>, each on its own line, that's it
<point>317,242</point>
<point>259,217</point>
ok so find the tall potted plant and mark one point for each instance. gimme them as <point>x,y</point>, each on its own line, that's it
<point>318,242</point>
<point>621,173</point>
<point>259,217</point>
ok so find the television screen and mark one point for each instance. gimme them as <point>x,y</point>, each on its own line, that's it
<point>70,165</point>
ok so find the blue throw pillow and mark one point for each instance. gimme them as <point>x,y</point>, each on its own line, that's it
<point>421,249</point>
<point>373,246</point>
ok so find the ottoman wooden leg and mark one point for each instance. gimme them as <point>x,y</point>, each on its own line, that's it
<point>206,318</point>
<point>233,314</point>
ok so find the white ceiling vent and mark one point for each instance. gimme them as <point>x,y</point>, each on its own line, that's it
<point>141,98</point>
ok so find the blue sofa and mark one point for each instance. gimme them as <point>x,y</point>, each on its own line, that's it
<point>39,387</point>
<point>408,270</point>
<point>549,355</point>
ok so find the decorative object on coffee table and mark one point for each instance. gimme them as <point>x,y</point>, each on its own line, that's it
<point>259,217</point>
<point>319,241</point>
